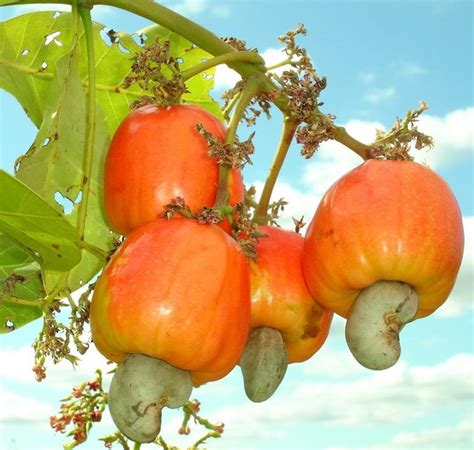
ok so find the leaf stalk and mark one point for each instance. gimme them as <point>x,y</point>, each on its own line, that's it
<point>85,14</point>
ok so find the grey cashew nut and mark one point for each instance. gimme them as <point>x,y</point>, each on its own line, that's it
<point>141,387</point>
<point>263,363</point>
<point>375,321</point>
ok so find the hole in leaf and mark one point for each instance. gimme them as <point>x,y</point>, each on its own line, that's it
<point>46,141</point>
<point>207,76</point>
<point>180,60</point>
<point>138,38</point>
<point>10,325</point>
<point>52,38</point>
<point>204,59</point>
<point>104,34</point>
<point>66,203</point>
<point>122,48</point>
<point>25,52</point>
<point>44,66</point>
<point>78,198</point>
<point>56,14</point>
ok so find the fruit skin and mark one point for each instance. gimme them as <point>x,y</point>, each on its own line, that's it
<point>157,155</point>
<point>177,291</point>
<point>384,220</point>
<point>280,297</point>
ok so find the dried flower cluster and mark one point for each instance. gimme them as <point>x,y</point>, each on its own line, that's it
<point>238,44</point>
<point>245,231</point>
<point>235,154</point>
<point>55,337</point>
<point>157,73</point>
<point>258,104</point>
<point>303,86</point>
<point>404,135</point>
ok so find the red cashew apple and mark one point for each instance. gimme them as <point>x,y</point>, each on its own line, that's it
<point>176,293</point>
<point>288,325</point>
<point>384,248</point>
<point>157,155</point>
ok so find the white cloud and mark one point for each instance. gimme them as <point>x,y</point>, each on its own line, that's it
<point>335,364</point>
<point>225,77</point>
<point>367,77</point>
<point>377,95</point>
<point>453,136</point>
<point>411,69</point>
<point>60,376</point>
<point>458,436</point>
<point>433,389</point>
<point>22,410</point>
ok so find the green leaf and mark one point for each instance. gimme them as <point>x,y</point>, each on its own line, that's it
<point>14,316</point>
<point>20,279</point>
<point>33,43</point>
<point>54,96</point>
<point>53,166</point>
<point>28,219</point>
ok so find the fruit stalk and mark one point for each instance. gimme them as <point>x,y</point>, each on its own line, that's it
<point>287,133</point>
<point>248,92</point>
<point>226,58</point>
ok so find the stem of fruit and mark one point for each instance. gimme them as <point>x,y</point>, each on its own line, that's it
<point>209,42</point>
<point>287,134</point>
<point>230,106</point>
<point>85,14</point>
<point>375,320</point>
<point>263,363</point>
<point>226,58</point>
<point>342,136</point>
<point>248,92</point>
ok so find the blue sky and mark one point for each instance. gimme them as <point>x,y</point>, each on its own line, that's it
<point>381,58</point>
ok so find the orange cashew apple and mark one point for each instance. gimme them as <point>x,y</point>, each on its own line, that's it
<point>158,155</point>
<point>173,308</point>
<point>288,325</point>
<point>383,248</point>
